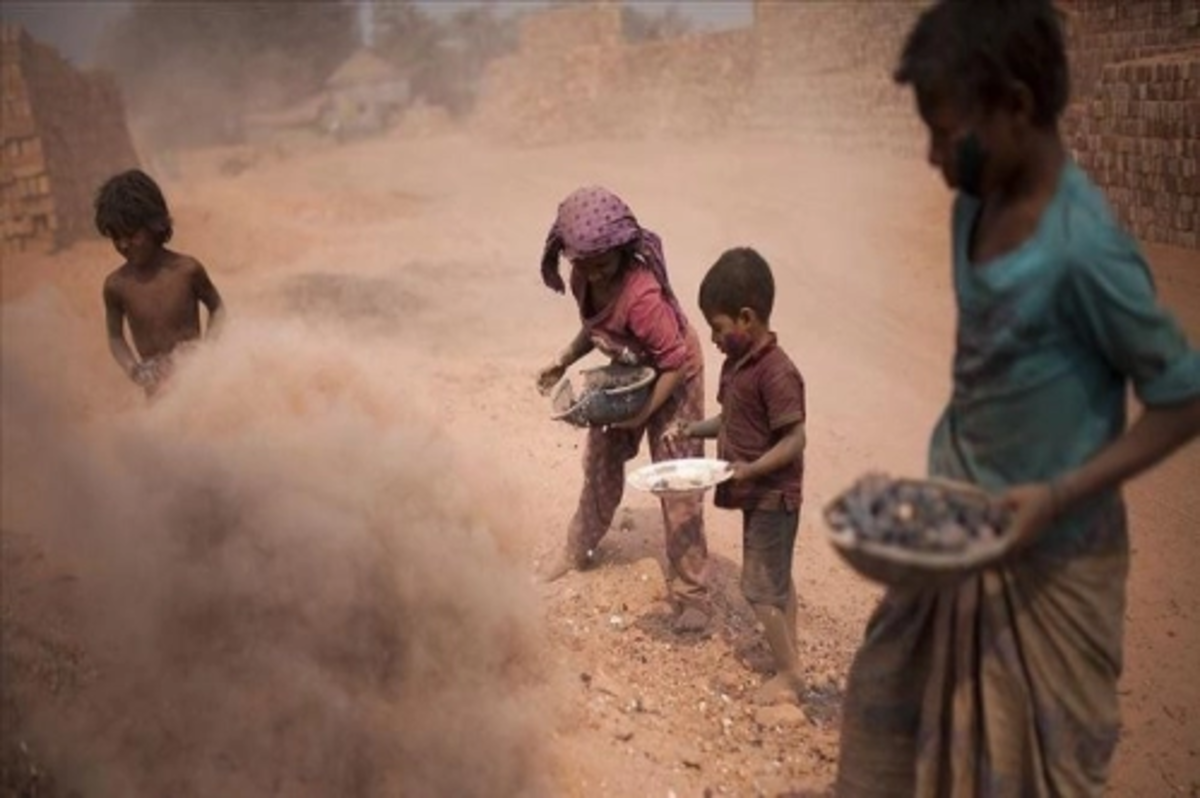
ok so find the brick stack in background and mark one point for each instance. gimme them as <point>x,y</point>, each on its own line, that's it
<point>62,133</point>
<point>821,69</point>
<point>574,78</point>
<point>549,91</point>
<point>1134,124</point>
<point>1140,139</point>
<point>26,205</point>
<point>687,87</point>
<point>825,71</point>
<point>818,69</point>
<point>1103,32</point>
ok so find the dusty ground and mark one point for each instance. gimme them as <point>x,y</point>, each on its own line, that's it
<point>423,253</point>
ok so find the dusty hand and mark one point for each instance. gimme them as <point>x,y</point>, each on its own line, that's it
<point>549,377</point>
<point>741,471</point>
<point>144,374</point>
<point>679,431</point>
<point>1033,508</point>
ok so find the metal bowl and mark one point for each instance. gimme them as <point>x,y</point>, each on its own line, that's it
<point>904,567</point>
<point>608,395</point>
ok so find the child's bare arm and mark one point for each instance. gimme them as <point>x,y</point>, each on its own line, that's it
<point>664,386</point>
<point>1154,436</point>
<point>208,295</point>
<point>580,345</point>
<point>114,321</point>
<point>788,449</point>
<point>708,428</point>
<point>1158,433</point>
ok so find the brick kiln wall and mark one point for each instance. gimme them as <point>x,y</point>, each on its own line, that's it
<point>824,70</point>
<point>551,89</point>
<point>574,78</point>
<point>818,67</point>
<point>1135,120</point>
<point>1102,32</point>
<point>62,133</point>
<point>1140,138</point>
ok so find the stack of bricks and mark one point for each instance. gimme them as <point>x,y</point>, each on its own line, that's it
<point>62,133</point>
<point>821,69</point>
<point>1139,137</point>
<point>550,90</point>
<point>691,86</point>
<point>572,27</point>
<point>1134,124</point>
<point>1103,32</point>
<point>824,71</point>
<point>818,69</point>
<point>574,78</point>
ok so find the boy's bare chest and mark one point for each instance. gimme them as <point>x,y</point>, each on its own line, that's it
<point>162,298</point>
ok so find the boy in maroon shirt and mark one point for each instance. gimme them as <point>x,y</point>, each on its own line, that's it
<point>760,431</point>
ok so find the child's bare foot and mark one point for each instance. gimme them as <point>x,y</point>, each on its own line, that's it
<point>782,688</point>
<point>562,564</point>
<point>691,621</point>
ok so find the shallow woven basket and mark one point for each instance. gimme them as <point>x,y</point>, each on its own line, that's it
<point>610,394</point>
<point>903,568</point>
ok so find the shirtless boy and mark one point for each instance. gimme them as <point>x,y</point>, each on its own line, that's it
<point>157,292</point>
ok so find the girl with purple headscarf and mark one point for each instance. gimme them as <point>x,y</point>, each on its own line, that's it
<point>629,313</point>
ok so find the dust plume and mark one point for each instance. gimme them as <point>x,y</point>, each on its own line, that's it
<point>283,581</point>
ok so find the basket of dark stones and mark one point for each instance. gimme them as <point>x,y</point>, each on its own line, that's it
<point>606,395</point>
<point>916,533</point>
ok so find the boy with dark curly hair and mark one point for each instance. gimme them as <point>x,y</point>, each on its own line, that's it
<point>157,292</point>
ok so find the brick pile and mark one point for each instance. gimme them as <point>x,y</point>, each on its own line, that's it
<point>691,86</point>
<point>62,133</point>
<point>1134,123</point>
<point>815,68</point>
<point>821,69</point>
<point>824,71</point>
<point>570,27</point>
<point>550,89</point>
<point>1103,32</point>
<point>554,91</point>
<point>1139,137</point>
<point>545,98</point>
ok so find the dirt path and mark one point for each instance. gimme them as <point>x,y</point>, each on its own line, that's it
<point>437,264</point>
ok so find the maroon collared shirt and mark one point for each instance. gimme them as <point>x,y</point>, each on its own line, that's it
<point>761,396</point>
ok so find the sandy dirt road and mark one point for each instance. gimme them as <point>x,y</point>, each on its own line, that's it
<point>417,259</point>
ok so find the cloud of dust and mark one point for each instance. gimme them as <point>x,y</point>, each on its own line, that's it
<point>286,581</point>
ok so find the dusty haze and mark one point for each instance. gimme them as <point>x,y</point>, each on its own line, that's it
<point>305,571</point>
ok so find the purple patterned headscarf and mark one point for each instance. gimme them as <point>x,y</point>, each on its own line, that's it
<point>593,220</point>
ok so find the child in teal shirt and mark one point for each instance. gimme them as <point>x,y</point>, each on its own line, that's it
<point>1005,684</point>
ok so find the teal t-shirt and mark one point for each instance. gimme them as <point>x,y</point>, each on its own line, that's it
<point>1049,336</point>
